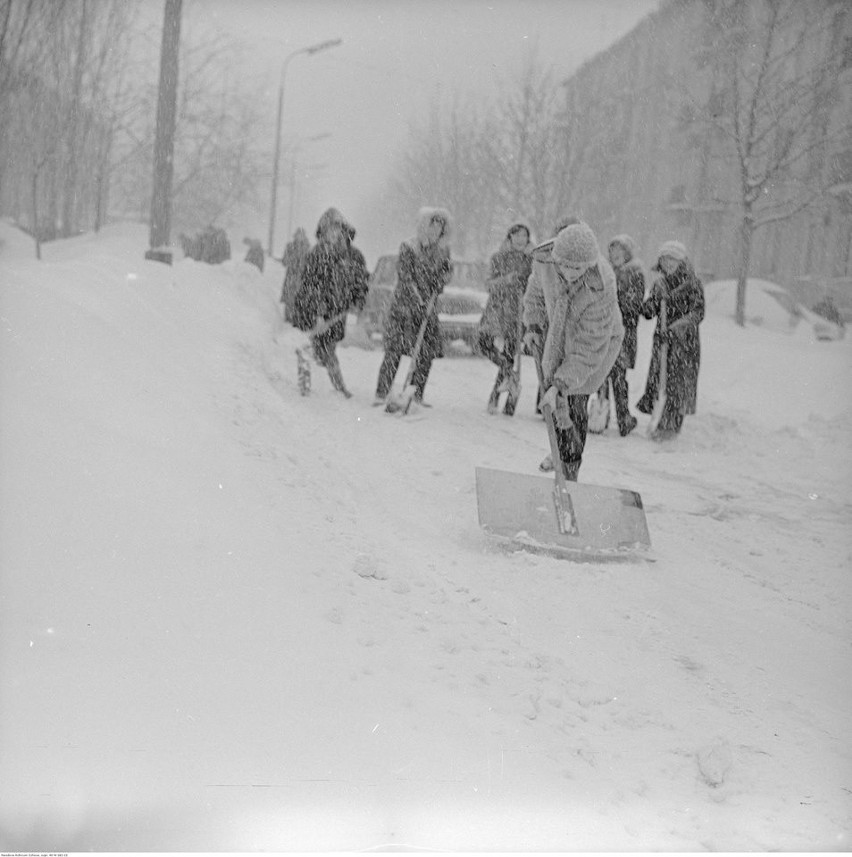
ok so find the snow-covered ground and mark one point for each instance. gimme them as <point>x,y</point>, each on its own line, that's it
<point>236,619</point>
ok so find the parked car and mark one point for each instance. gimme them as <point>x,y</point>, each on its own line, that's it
<point>460,305</point>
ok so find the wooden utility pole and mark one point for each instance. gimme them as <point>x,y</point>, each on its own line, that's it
<point>161,200</point>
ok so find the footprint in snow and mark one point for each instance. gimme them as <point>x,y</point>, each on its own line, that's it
<point>369,566</point>
<point>714,761</point>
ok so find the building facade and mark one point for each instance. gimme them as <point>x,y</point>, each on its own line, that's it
<point>643,161</point>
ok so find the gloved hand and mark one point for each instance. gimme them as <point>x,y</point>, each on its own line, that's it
<point>533,341</point>
<point>549,398</point>
<point>677,329</point>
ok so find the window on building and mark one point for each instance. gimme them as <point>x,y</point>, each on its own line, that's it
<point>846,55</point>
<point>677,195</point>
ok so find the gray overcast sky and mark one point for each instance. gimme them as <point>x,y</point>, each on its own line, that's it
<point>396,56</point>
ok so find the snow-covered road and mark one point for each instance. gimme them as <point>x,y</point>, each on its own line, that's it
<point>234,618</point>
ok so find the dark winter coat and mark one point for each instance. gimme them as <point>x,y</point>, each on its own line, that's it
<point>684,295</point>
<point>630,282</point>
<point>507,281</point>
<point>295,254</point>
<point>334,280</point>
<point>422,271</point>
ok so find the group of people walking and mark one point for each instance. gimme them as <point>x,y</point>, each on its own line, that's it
<point>574,310</point>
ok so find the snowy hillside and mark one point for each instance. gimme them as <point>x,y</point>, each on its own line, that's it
<point>236,619</point>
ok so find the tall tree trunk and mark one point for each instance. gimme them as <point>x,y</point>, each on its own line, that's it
<point>743,262</point>
<point>161,202</point>
<point>102,181</point>
<point>72,154</point>
<point>35,224</point>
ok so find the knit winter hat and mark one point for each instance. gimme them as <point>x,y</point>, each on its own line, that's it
<point>674,249</point>
<point>576,247</point>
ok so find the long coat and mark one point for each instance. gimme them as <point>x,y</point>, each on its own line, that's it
<point>630,283</point>
<point>334,280</point>
<point>422,271</point>
<point>295,254</point>
<point>581,322</point>
<point>507,281</point>
<point>684,295</point>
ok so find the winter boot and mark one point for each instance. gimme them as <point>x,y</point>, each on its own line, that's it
<point>571,469</point>
<point>628,427</point>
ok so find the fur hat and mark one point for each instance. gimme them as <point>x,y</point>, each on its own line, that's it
<point>332,217</point>
<point>576,246</point>
<point>517,227</point>
<point>425,217</point>
<point>626,243</point>
<point>674,249</point>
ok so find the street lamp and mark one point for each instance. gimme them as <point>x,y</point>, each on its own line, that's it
<point>313,49</point>
<point>313,139</point>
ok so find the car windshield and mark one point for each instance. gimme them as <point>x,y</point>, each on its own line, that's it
<point>385,273</point>
<point>469,275</point>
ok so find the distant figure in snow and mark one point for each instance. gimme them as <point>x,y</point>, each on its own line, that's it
<point>295,254</point>
<point>828,310</point>
<point>423,268</point>
<point>500,328</point>
<point>572,319</point>
<point>630,283</point>
<point>254,254</point>
<point>334,280</point>
<point>215,247</point>
<point>680,291</point>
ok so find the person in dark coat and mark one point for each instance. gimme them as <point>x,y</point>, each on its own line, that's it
<point>501,325</point>
<point>424,267</point>
<point>254,254</point>
<point>683,293</point>
<point>293,260</point>
<point>630,281</point>
<point>334,280</point>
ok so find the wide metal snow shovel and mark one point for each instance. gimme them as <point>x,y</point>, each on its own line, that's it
<point>402,403</point>
<point>567,519</point>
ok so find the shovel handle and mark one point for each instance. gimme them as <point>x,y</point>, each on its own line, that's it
<point>327,324</point>
<point>421,335</point>
<point>565,519</point>
<point>662,383</point>
<point>404,403</point>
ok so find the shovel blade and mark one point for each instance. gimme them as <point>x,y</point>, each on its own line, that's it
<point>610,522</point>
<point>402,402</point>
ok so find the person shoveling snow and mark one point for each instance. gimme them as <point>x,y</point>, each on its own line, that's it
<point>334,280</point>
<point>573,321</point>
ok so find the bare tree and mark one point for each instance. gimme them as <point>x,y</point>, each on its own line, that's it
<point>38,134</point>
<point>442,166</point>
<point>774,76</point>
<point>25,44</point>
<point>527,146</point>
<point>220,160</point>
<point>491,163</point>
